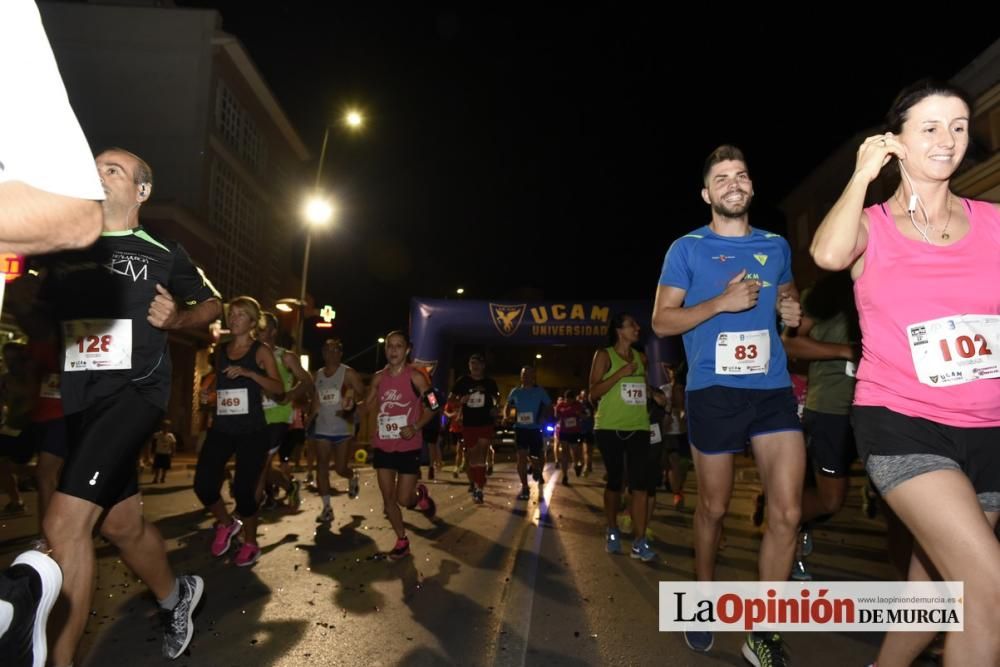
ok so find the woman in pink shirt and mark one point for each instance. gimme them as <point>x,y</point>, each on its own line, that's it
<point>396,403</point>
<point>926,265</point>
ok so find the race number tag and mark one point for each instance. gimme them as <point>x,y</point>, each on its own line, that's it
<point>50,386</point>
<point>476,400</point>
<point>955,350</point>
<point>633,393</point>
<point>329,396</point>
<point>232,402</point>
<point>569,422</point>
<point>98,345</point>
<point>527,418</point>
<point>389,427</point>
<point>742,352</point>
<point>655,436</point>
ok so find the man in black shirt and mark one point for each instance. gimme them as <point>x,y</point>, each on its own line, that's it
<point>115,303</point>
<point>480,397</point>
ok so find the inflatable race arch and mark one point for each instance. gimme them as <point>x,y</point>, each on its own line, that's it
<point>436,325</point>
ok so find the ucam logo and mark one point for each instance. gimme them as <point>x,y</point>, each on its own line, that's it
<point>507,318</point>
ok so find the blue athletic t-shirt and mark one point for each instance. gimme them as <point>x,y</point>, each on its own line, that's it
<point>528,401</point>
<point>702,263</point>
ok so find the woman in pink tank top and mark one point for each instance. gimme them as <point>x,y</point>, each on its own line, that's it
<point>399,411</point>
<point>926,265</point>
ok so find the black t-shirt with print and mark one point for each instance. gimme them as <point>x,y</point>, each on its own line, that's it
<point>101,298</point>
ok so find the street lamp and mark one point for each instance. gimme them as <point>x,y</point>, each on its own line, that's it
<point>460,291</point>
<point>319,210</point>
<point>381,342</point>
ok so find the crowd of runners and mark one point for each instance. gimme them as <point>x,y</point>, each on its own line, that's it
<point>901,374</point>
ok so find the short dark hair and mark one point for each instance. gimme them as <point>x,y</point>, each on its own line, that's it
<point>721,154</point>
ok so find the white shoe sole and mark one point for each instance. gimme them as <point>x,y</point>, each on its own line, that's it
<point>51,577</point>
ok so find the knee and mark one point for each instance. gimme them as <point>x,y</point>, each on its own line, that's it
<point>122,530</point>
<point>782,516</point>
<point>711,509</point>
<point>831,502</point>
<point>58,527</point>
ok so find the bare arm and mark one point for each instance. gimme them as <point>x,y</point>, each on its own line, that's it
<point>804,347</point>
<point>419,381</point>
<point>270,382</point>
<point>788,305</point>
<point>35,222</point>
<point>670,317</point>
<point>164,313</point>
<point>600,366</point>
<point>369,408</point>
<point>357,387</point>
<point>303,381</point>
<point>843,235</point>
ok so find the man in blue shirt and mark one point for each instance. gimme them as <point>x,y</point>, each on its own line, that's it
<point>525,407</point>
<point>722,287</point>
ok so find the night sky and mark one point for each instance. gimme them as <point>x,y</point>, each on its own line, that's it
<point>558,150</point>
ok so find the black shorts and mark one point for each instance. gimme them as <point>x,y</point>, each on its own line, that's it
<point>104,445</point>
<point>625,453</point>
<point>830,440</point>
<point>571,438</point>
<point>881,432</point>
<point>161,461</point>
<point>18,448</point>
<point>405,463</point>
<point>50,437</point>
<point>275,437</point>
<point>722,419</point>
<point>294,437</point>
<point>530,439</point>
<point>677,443</point>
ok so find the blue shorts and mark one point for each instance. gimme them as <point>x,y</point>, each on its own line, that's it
<point>722,419</point>
<point>335,439</point>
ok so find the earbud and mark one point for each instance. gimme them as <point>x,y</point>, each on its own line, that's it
<point>143,189</point>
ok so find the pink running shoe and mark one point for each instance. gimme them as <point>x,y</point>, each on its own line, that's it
<point>247,555</point>
<point>224,536</point>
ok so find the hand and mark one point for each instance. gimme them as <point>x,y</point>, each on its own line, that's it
<point>408,431</point>
<point>348,403</point>
<point>875,152</point>
<point>790,310</point>
<point>628,369</point>
<point>740,294</point>
<point>163,309</point>
<point>233,372</point>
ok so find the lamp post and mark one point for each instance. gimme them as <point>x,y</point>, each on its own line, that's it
<point>318,211</point>
<point>381,341</point>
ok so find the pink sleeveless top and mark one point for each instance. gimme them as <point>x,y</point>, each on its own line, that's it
<point>912,294</point>
<point>398,405</point>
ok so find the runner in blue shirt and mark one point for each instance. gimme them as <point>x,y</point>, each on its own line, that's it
<point>527,406</point>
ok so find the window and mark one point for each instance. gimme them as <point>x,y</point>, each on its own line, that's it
<point>238,129</point>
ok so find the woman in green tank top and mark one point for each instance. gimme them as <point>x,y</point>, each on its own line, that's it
<point>621,428</point>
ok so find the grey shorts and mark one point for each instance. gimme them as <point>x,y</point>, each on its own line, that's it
<point>895,448</point>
